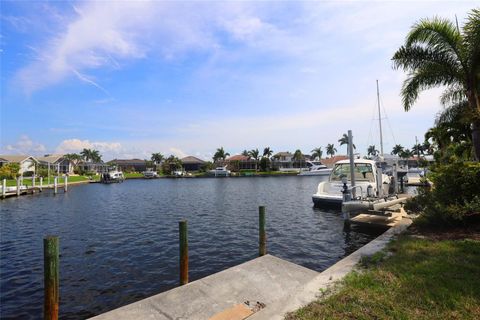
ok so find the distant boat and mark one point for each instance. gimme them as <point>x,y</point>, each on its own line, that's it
<point>112,176</point>
<point>220,172</point>
<point>316,168</point>
<point>150,174</point>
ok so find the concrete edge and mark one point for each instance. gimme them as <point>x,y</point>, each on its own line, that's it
<point>311,291</point>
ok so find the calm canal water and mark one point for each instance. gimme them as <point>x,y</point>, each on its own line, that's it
<point>119,242</point>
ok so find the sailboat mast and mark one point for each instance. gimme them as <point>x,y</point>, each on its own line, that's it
<point>380,121</point>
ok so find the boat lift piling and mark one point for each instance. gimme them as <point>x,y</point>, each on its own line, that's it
<point>65,188</point>
<point>18,187</point>
<point>55,185</point>
<point>4,188</point>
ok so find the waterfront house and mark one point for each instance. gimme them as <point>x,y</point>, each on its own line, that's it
<point>27,164</point>
<point>329,162</point>
<point>191,163</point>
<point>93,167</point>
<point>240,162</point>
<point>129,165</point>
<point>57,163</point>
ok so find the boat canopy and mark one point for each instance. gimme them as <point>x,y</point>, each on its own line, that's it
<point>362,171</point>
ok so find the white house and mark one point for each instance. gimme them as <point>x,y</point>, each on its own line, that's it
<point>27,163</point>
<point>57,163</point>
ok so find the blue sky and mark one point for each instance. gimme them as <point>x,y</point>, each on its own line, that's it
<point>184,78</point>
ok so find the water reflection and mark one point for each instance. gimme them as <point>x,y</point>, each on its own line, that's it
<point>119,243</point>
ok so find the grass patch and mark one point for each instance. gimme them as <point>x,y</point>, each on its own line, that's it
<point>61,180</point>
<point>422,279</point>
<point>132,175</point>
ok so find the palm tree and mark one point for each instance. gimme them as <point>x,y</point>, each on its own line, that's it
<point>317,153</point>
<point>255,154</point>
<point>86,154</point>
<point>344,140</point>
<point>397,149</point>
<point>371,151</point>
<point>74,158</point>
<point>405,154</point>
<point>267,152</point>
<point>157,158</point>
<point>171,164</point>
<point>220,155</point>
<point>245,153</point>
<point>96,156</point>
<point>437,53</point>
<point>331,149</point>
<point>417,149</point>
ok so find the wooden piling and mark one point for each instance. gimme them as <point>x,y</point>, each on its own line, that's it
<point>262,240</point>
<point>18,186</point>
<point>55,185</point>
<point>65,188</point>
<point>51,277</point>
<point>182,225</point>
<point>41,184</point>
<point>4,188</point>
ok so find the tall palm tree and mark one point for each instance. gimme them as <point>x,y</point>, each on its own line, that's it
<point>397,149</point>
<point>331,149</point>
<point>405,154</point>
<point>317,153</point>
<point>372,151</point>
<point>220,155</point>
<point>267,152</point>
<point>245,153</point>
<point>86,154</point>
<point>417,149</point>
<point>437,53</point>
<point>157,158</point>
<point>344,140</point>
<point>74,158</point>
<point>96,156</point>
<point>255,154</point>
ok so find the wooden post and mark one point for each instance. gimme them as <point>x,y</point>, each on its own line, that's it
<point>51,277</point>
<point>18,186</point>
<point>4,188</point>
<point>66,184</point>
<point>41,184</point>
<point>182,225</point>
<point>55,185</point>
<point>262,243</point>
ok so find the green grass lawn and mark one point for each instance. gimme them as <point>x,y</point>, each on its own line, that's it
<point>421,279</point>
<point>28,181</point>
<point>133,175</point>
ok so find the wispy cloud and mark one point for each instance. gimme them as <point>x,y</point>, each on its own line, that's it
<point>25,145</point>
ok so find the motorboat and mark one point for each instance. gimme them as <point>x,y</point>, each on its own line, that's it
<point>316,169</point>
<point>367,182</point>
<point>112,176</point>
<point>150,174</point>
<point>220,172</point>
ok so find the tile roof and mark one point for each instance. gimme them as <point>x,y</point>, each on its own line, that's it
<point>238,157</point>
<point>191,160</point>
<point>16,158</point>
<point>51,158</point>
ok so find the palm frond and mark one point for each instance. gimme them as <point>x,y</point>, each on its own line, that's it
<point>458,112</point>
<point>453,95</point>
<point>416,56</point>
<point>426,77</point>
<point>471,36</point>
<point>438,33</point>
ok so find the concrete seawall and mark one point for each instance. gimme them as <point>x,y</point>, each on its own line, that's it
<point>263,288</point>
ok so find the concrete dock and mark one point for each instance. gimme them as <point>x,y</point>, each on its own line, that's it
<point>254,285</point>
<point>263,288</point>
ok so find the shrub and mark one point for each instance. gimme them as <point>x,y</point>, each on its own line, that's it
<point>454,198</point>
<point>9,171</point>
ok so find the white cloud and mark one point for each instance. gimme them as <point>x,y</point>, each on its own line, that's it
<point>25,145</point>
<point>107,149</point>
